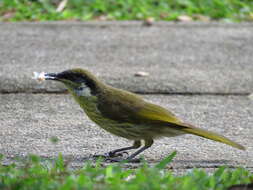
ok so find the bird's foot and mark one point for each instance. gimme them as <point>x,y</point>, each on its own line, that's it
<point>117,154</point>
<point>110,155</point>
<point>136,160</point>
<point>102,156</point>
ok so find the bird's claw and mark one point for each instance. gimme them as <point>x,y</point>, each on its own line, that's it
<point>100,156</point>
<point>110,155</point>
<point>120,154</point>
<point>123,160</point>
<point>113,160</point>
<point>116,157</point>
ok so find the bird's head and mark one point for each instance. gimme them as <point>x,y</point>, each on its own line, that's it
<point>80,82</point>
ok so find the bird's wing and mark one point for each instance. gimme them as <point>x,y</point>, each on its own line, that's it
<point>129,107</point>
<point>157,113</point>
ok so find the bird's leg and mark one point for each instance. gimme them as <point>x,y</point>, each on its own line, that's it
<point>148,143</point>
<point>136,145</point>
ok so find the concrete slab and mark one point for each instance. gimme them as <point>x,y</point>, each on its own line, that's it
<point>28,121</point>
<point>181,58</point>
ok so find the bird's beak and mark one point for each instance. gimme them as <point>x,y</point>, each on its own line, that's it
<point>51,76</point>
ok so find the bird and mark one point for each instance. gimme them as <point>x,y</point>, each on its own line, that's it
<point>126,114</point>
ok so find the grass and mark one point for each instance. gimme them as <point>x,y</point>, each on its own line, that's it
<point>36,174</point>
<point>41,10</point>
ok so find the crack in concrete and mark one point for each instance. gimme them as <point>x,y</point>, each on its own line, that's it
<point>138,92</point>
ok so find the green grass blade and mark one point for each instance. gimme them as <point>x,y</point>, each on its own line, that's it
<point>166,161</point>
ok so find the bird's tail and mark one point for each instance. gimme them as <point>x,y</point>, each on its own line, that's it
<point>210,135</point>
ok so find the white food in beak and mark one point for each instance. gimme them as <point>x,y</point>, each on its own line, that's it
<point>39,76</point>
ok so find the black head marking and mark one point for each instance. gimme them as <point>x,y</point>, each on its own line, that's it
<point>77,76</point>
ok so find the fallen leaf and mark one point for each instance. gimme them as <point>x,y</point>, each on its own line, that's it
<point>149,21</point>
<point>164,15</point>
<point>201,18</point>
<point>184,18</point>
<point>8,14</point>
<point>61,6</point>
<point>251,16</point>
<point>251,96</point>
<point>101,18</point>
<point>141,74</point>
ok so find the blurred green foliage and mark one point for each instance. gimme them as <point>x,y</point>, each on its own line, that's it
<point>36,173</point>
<point>41,10</point>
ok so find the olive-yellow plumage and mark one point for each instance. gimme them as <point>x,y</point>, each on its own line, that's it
<point>126,114</point>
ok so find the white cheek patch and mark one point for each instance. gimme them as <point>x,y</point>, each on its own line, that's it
<point>83,91</point>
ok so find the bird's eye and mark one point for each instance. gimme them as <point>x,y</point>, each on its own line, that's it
<point>80,88</point>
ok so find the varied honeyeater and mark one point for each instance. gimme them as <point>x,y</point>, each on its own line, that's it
<point>126,114</point>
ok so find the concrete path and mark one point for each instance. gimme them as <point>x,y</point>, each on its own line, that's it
<point>202,72</point>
